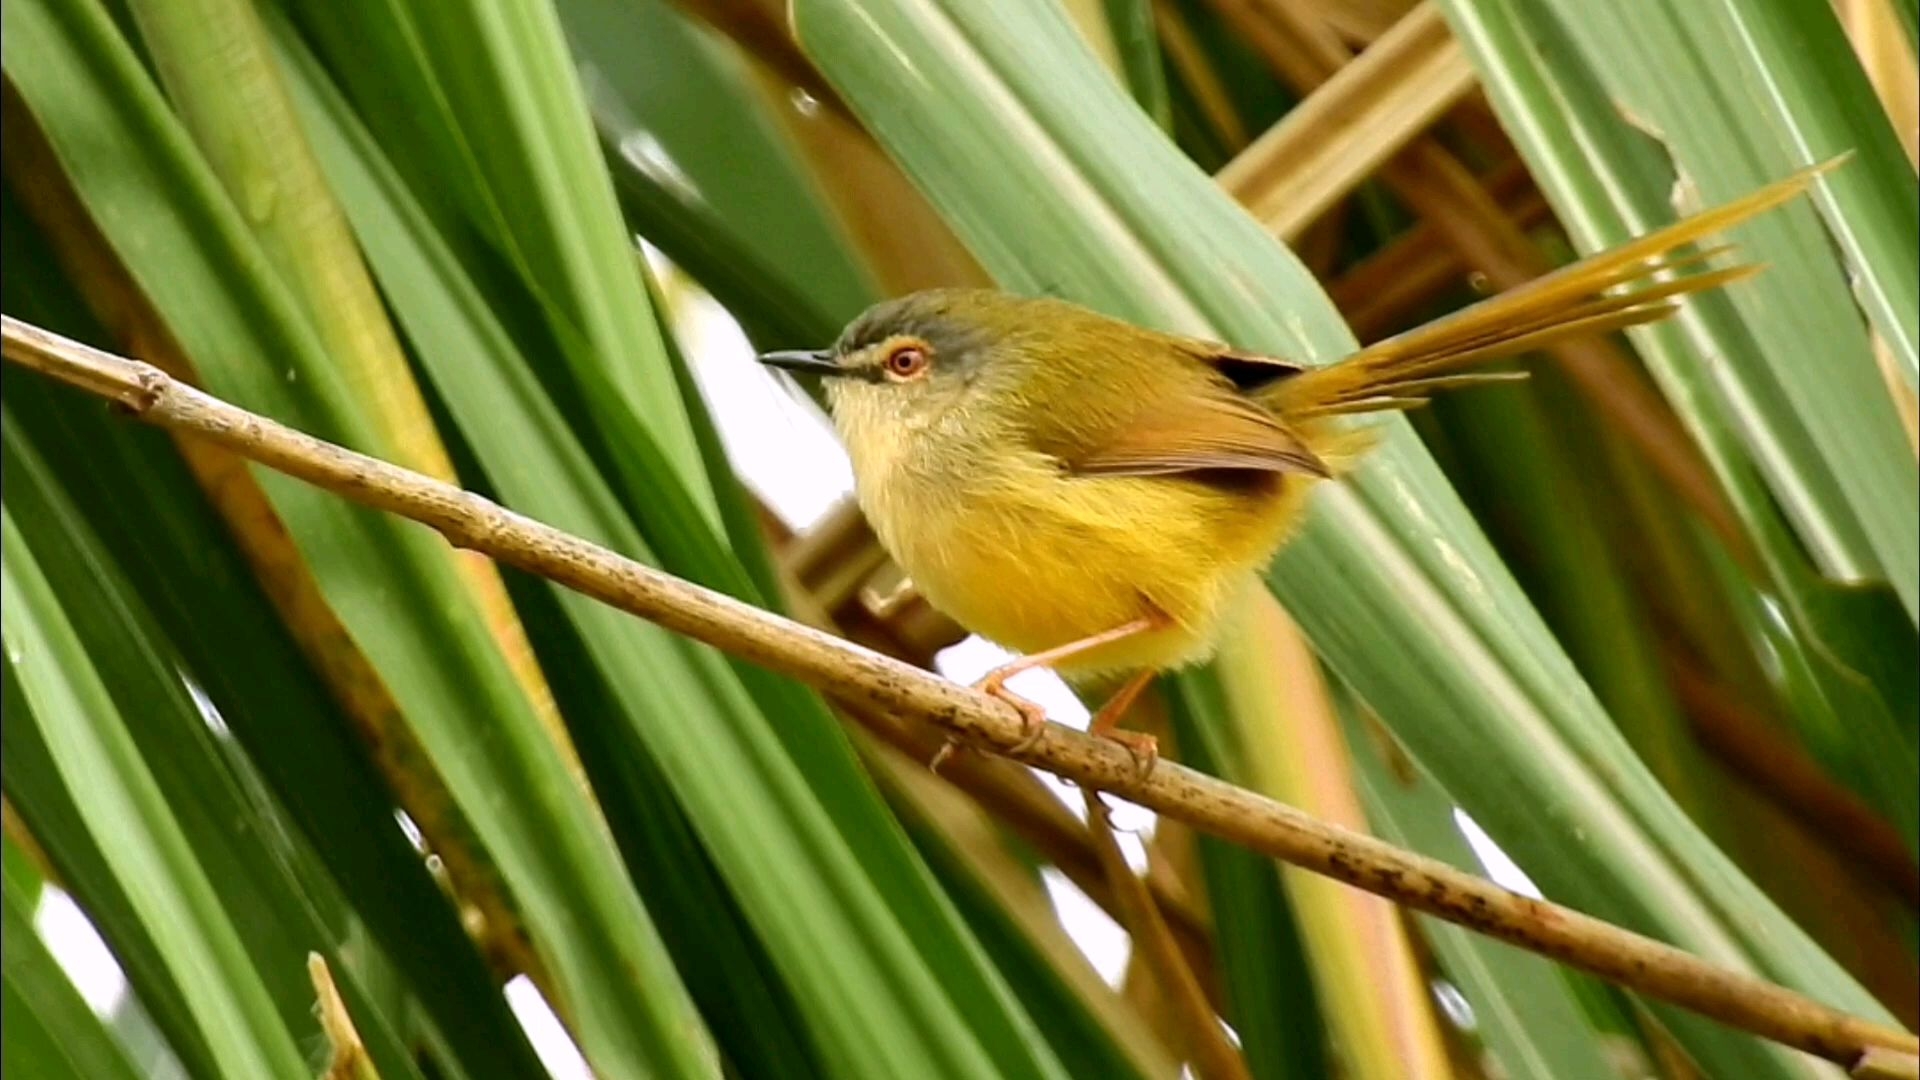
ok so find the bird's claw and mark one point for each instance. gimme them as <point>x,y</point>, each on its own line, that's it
<point>1032,715</point>
<point>1033,720</point>
<point>1144,748</point>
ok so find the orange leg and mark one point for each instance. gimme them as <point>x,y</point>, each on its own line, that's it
<point>1145,748</point>
<point>1033,717</point>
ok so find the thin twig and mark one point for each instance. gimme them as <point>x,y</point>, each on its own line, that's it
<point>1878,1064</point>
<point>867,678</point>
<point>347,1056</point>
<point>1212,1055</point>
<point>1781,772</point>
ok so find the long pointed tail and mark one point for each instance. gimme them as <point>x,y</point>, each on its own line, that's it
<point>1573,301</point>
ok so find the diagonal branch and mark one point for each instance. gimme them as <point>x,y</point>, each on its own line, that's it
<point>867,679</point>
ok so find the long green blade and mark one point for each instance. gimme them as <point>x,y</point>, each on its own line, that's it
<point>59,697</point>
<point>739,213</point>
<point>1524,1007</point>
<point>270,882</point>
<point>51,1030</point>
<point>183,244</point>
<point>159,528</point>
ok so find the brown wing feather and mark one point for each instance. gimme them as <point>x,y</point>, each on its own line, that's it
<point>1214,428</point>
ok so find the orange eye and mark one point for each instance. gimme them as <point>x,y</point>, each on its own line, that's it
<point>906,361</point>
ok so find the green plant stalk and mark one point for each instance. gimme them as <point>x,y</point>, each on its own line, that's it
<point>63,697</point>
<point>277,710</point>
<point>51,1030</point>
<point>188,251</point>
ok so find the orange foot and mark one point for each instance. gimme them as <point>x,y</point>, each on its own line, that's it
<point>1144,748</point>
<point>1033,718</point>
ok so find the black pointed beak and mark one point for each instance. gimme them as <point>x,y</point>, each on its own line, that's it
<point>813,361</point>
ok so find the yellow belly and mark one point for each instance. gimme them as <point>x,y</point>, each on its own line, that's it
<point>1032,559</point>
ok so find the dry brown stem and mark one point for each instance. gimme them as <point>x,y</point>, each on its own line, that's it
<point>347,1056</point>
<point>870,680</point>
<point>1351,123</point>
<point>1212,1055</point>
<point>1878,1064</point>
<point>1783,773</point>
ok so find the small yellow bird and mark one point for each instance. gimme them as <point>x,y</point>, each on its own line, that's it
<point>1095,495</point>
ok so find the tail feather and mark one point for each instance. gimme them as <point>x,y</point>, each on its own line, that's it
<point>1576,300</point>
<point>1570,318</point>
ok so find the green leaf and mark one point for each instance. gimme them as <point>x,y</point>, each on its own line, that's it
<point>187,250</point>
<point>1265,972</point>
<point>1074,1028</point>
<point>1795,58</point>
<point>1138,42</point>
<point>505,131</point>
<point>739,213</point>
<point>1523,1006</point>
<point>46,804</point>
<point>741,995</point>
<point>269,882</point>
<point>177,557</point>
<point>1607,185</point>
<point>51,1031</point>
<point>57,696</point>
<point>1532,478</point>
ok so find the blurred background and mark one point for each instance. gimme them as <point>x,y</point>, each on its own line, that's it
<point>1637,635</point>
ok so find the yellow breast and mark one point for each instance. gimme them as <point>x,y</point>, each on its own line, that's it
<point>1031,558</point>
